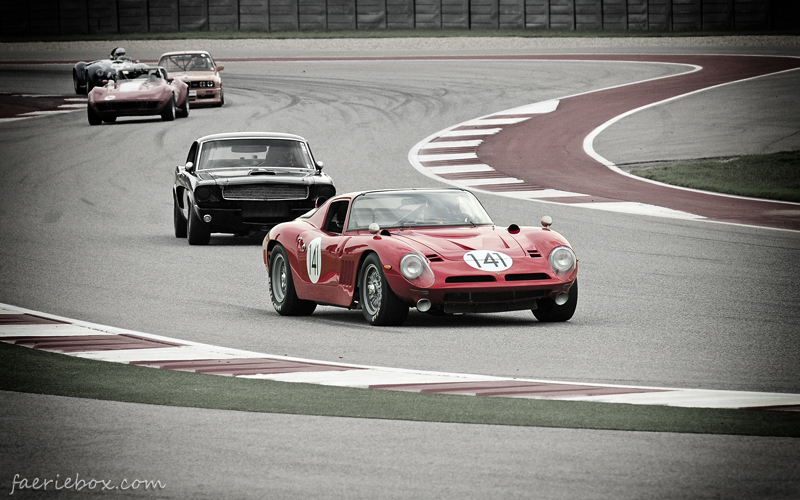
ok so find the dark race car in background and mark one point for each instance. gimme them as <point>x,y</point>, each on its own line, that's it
<point>88,75</point>
<point>198,69</point>
<point>142,91</point>
<point>437,249</point>
<point>244,183</point>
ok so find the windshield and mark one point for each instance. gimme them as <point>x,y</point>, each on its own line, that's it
<point>140,75</point>
<point>187,62</point>
<point>417,209</point>
<point>255,153</point>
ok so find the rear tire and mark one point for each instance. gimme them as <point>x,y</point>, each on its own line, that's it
<point>168,114</point>
<point>281,287</point>
<point>550,312</point>
<point>183,111</point>
<point>196,230</point>
<point>380,305</point>
<point>79,89</point>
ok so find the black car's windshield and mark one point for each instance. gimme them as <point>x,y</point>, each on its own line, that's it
<point>187,62</point>
<point>255,154</point>
<point>417,209</point>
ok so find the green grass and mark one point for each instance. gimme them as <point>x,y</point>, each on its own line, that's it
<point>391,33</point>
<point>28,370</point>
<point>773,176</point>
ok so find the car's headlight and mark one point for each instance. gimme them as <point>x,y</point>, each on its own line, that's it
<point>412,265</point>
<point>415,268</point>
<point>562,260</point>
<point>202,193</point>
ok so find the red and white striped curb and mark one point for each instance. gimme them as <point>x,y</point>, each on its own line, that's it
<point>87,340</point>
<point>450,156</point>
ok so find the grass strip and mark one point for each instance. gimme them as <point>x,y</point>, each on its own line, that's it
<point>771,176</point>
<point>29,370</point>
<point>390,33</point>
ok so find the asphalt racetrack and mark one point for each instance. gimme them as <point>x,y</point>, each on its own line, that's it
<point>86,224</point>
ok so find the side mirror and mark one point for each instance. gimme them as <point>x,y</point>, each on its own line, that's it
<point>170,79</point>
<point>319,166</point>
<point>547,221</point>
<point>374,228</point>
<point>189,167</point>
<point>220,68</point>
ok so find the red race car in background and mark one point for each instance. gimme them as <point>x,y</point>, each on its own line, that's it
<point>438,250</point>
<point>138,91</point>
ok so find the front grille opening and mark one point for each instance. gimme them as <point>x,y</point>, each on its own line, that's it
<point>527,277</point>
<point>265,192</point>
<point>489,297</point>
<point>485,278</point>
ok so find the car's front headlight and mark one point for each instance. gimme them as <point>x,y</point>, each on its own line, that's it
<point>415,268</point>
<point>562,260</point>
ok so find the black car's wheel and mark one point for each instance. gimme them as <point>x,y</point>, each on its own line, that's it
<point>380,305</point>
<point>110,119</point>
<point>196,230</point>
<point>550,312</point>
<point>183,110</point>
<point>169,110</point>
<point>281,287</point>
<point>79,89</point>
<point>94,118</point>
<point>179,221</point>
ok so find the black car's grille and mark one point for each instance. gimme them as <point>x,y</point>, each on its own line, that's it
<point>126,105</point>
<point>201,85</point>
<point>488,297</point>
<point>265,192</point>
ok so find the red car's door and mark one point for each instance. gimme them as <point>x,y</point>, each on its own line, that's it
<point>322,258</point>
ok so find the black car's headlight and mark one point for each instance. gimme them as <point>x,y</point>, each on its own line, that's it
<point>202,193</point>
<point>562,260</point>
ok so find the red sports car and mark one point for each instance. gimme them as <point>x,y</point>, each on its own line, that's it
<point>438,250</point>
<point>138,91</point>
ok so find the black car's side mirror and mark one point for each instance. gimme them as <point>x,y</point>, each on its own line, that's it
<point>189,167</point>
<point>319,166</point>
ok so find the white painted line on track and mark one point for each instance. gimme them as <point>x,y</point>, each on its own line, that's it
<point>362,376</point>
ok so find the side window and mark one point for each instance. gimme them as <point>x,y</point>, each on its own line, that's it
<point>337,213</point>
<point>192,154</point>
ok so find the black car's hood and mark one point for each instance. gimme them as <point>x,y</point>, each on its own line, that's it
<point>230,176</point>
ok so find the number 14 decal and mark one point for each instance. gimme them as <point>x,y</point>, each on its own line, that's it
<point>488,260</point>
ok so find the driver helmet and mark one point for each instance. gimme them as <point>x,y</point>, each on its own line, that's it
<point>118,53</point>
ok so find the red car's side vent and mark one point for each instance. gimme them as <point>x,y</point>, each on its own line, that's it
<point>348,276</point>
<point>481,278</point>
<point>433,258</point>
<point>534,253</point>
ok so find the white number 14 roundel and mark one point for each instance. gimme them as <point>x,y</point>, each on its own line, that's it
<point>487,260</point>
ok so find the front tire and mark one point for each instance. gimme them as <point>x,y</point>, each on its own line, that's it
<point>281,287</point>
<point>168,114</point>
<point>178,220</point>
<point>380,305</point>
<point>550,312</point>
<point>196,230</point>
<point>94,117</point>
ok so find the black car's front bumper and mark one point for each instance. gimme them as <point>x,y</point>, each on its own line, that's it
<point>250,216</point>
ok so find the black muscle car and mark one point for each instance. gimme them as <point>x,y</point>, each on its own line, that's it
<point>245,183</point>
